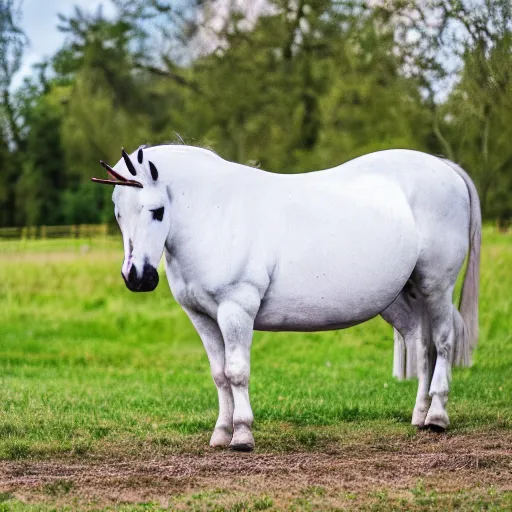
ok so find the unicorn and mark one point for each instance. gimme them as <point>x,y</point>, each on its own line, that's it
<point>384,234</point>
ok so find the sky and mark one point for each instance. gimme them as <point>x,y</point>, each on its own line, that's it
<point>39,22</point>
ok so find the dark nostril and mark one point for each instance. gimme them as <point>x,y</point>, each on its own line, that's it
<point>132,276</point>
<point>150,275</point>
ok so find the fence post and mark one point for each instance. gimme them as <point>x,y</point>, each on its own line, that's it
<point>87,231</point>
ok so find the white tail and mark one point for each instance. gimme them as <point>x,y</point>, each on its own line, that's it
<point>466,322</point>
<point>404,358</point>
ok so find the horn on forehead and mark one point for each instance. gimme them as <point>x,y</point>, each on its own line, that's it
<point>128,163</point>
<point>127,183</point>
<point>120,180</point>
<point>111,171</point>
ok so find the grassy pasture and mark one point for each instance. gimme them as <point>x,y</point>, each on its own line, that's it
<point>90,370</point>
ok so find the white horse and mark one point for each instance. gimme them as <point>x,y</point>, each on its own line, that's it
<point>245,249</point>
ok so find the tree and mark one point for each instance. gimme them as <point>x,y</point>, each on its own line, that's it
<point>43,174</point>
<point>12,44</point>
<point>466,43</point>
<point>370,105</point>
<point>478,113</point>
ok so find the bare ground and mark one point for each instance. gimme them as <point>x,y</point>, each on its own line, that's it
<point>348,477</point>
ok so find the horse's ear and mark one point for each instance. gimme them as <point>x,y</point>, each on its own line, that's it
<point>128,163</point>
<point>154,172</point>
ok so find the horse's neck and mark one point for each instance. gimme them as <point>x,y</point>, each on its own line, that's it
<point>195,187</point>
<point>195,175</point>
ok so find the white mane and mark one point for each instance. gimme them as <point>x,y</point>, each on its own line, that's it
<point>181,148</point>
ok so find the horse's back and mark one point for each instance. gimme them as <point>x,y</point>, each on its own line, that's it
<point>436,195</point>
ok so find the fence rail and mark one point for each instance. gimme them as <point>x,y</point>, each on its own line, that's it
<point>46,232</point>
<point>90,231</point>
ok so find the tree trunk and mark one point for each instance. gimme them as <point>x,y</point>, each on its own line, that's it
<point>11,120</point>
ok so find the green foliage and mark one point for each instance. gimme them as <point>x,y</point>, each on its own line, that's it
<point>39,193</point>
<point>293,87</point>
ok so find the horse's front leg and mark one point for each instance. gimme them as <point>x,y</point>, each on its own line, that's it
<point>236,324</point>
<point>213,342</point>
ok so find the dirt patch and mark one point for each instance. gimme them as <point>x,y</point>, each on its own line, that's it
<point>445,463</point>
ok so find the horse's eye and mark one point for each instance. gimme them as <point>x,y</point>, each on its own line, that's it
<point>158,214</point>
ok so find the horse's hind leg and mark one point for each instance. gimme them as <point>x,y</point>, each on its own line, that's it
<point>440,309</point>
<point>407,314</point>
<point>435,276</point>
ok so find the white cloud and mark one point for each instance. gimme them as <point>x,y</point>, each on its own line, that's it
<point>39,22</point>
<point>217,14</point>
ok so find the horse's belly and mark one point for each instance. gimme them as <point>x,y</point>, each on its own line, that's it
<point>340,270</point>
<point>305,318</point>
<point>321,313</point>
<point>331,298</point>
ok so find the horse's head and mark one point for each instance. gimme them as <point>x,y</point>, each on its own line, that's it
<point>141,206</point>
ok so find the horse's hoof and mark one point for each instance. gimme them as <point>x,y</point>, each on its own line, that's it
<point>437,421</point>
<point>221,438</point>
<point>418,418</point>
<point>243,440</point>
<point>244,447</point>
<point>438,429</point>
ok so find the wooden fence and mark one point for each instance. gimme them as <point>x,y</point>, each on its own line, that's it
<point>89,231</point>
<point>45,232</point>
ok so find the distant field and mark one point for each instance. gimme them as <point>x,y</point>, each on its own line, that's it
<point>90,372</point>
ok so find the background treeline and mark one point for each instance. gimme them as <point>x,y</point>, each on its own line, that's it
<point>290,85</point>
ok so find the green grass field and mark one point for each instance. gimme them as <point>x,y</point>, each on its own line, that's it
<point>89,370</point>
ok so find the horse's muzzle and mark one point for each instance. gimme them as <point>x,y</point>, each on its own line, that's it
<point>146,283</point>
